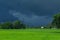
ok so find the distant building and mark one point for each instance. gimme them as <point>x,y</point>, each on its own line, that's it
<point>42,27</point>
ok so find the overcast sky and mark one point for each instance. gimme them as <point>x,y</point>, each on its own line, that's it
<point>33,12</point>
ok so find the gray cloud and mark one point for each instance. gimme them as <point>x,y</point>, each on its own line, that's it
<point>33,20</point>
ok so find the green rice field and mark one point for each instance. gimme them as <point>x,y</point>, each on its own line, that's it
<point>30,34</point>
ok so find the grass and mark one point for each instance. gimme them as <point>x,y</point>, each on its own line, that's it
<point>30,34</point>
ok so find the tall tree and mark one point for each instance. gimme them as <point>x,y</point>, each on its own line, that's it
<point>56,20</point>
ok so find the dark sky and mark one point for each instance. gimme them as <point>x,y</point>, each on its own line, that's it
<point>33,12</point>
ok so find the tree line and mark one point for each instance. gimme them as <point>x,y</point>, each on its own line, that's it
<point>12,25</point>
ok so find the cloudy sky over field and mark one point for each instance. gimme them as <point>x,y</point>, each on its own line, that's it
<point>33,12</point>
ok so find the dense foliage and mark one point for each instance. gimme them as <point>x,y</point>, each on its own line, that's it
<point>12,25</point>
<point>56,20</point>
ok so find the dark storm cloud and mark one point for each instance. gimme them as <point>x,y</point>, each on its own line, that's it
<point>33,11</point>
<point>33,19</point>
<point>39,7</point>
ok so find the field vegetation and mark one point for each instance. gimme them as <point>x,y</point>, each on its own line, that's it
<point>30,34</point>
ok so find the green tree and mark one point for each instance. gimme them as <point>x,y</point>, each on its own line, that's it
<point>23,26</point>
<point>56,21</point>
<point>18,25</point>
<point>6,25</point>
<point>0,26</point>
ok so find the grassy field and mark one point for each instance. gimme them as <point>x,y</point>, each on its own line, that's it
<point>30,34</point>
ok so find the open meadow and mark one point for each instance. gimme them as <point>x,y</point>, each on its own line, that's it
<point>30,34</point>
